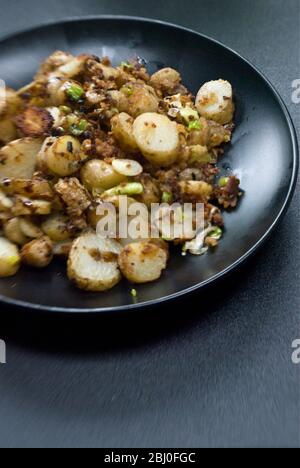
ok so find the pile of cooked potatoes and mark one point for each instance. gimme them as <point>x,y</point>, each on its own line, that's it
<point>83,133</point>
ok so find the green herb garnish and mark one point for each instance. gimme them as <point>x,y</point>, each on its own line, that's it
<point>130,189</point>
<point>126,65</point>
<point>194,125</point>
<point>216,233</point>
<point>75,92</point>
<point>223,182</point>
<point>79,128</point>
<point>65,109</point>
<point>167,197</point>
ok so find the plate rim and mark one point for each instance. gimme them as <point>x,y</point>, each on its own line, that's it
<point>292,186</point>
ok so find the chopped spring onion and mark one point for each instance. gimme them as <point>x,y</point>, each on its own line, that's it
<point>130,189</point>
<point>194,125</point>
<point>223,182</point>
<point>65,109</point>
<point>134,293</point>
<point>127,65</point>
<point>216,233</point>
<point>79,128</point>
<point>167,197</point>
<point>127,90</point>
<point>189,115</point>
<point>75,92</point>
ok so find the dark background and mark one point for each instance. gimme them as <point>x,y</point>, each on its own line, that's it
<point>211,370</point>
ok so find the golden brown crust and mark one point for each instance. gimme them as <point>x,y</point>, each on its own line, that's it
<point>38,253</point>
<point>143,262</point>
<point>35,122</point>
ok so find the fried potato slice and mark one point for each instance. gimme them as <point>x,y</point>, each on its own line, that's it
<point>143,262</point>
<point>166,80</point>
<point>214,101</point>
<point>36,188</point>
<point>8,130</point>
<point>56,227</point>
<point>35,122</point>
<point>18,158</point>
<point>121,125</point>
<point>26,207</point>
<point>9,258</point>
<point>93,263</point>
<point>13,232</point>
<point>38,253</point>
<point>158,138</point>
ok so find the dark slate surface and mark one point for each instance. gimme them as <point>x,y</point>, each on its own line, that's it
<point>211,371</point>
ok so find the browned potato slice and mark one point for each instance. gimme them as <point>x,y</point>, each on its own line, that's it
<point>166,80</point>
<point>158,138</point>
<point>73,67</point>
<point>34,188</point>
<point>30,229</point>
<point>26,207</point>
<point>93,263</point>
<point>97,174</point>
<point>141,99</point>
<point>9,258</point>
<point>215,101</point>
<point>195,188</point>
<point>12,104</point>
<point>123,133</point>
<point>35,122</point>
<point>56,227</point>
<point>5,202</point>
<point>38,253</point>
<point>13,232</point>
<point>143,262</point>
<point>52,63</point>
<point>18,158</point>
<point>8,130</point>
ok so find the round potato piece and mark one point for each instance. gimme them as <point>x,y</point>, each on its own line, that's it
<point>30,229</point>
<point>93,263</point>
<point>166,80</point>
<point>158,138</point>
<point>141,99</point>
<point>38,253</point>
<point>8,130</point>
<point>35,122</point>
<point>55,227</point>
<point>18,159</point>
<point>62,155</point>
<point>195,188</point>
<point>143,262</point>
<point>13,232</point>
<point>97,174</point>
<point>121,125</point>
<point>9,258</point>
<point>214,101</point>
<point>11,104</point>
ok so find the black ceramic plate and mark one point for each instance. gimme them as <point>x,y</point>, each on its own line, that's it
<point>263,152</point>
